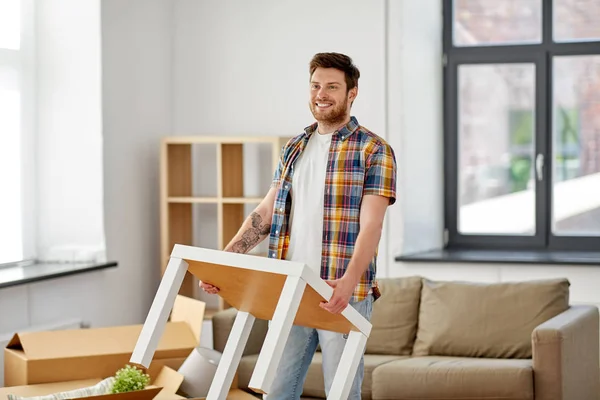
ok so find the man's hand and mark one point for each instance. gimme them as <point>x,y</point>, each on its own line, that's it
<point>342,292</point>
<point>208,288</point>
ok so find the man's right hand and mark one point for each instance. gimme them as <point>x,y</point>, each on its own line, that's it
<point>208,288</point>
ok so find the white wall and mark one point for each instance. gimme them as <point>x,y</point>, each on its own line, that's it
<point>584,279</point>
<point>242,67</point>
<point>414,116</point>
<point>136,73</point>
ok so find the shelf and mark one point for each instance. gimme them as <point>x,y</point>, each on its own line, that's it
<point>221,139</point>
<point>187,199</point>
<point>241,200</point>
<point>215,200</point>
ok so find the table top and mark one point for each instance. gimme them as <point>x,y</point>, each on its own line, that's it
<point>254,284</point>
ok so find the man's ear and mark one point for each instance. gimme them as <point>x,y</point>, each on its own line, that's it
<point>353,93</point>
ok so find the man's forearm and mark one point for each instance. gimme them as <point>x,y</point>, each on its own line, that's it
<point>253,231</point>
<point>364,250</point>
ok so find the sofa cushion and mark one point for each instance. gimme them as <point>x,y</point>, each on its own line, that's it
<point>454,378</point>
<point>314,386</point>
<point>395,316</point>
<point>486,320</point>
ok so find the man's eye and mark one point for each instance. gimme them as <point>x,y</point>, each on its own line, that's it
<point>332,87</point>
<point>314,86</point>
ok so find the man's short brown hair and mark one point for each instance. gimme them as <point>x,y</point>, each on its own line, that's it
<point>337,61</point>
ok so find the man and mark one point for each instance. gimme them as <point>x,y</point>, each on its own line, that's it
<point>326,208</point>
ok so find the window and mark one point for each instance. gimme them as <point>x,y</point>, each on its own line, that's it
<point>14,179</point>
<point>522,124</point>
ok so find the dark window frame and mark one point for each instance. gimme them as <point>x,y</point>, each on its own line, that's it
<point>541,55</point>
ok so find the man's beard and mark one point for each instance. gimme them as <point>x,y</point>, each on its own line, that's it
<point>335,115</point>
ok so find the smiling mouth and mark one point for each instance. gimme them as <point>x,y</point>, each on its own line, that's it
<point>323,105</point>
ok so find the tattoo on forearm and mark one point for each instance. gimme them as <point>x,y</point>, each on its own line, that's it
<point>256,220</point>
<point>251,236</point>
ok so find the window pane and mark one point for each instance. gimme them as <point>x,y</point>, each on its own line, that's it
<point>10,24</point>
<point>488,22</point>
<point>576,146</point>
<point>576,20</point>
<point>11,248</point>
<point>496,144</point>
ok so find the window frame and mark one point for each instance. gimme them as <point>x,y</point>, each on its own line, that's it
<point>541,55</point>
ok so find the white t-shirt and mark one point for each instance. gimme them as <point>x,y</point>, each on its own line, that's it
<point>308,189</point>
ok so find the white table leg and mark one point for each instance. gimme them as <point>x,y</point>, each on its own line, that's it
<point>159,312</point>
<point>230,359</point>
<point>344,376</point>
<point>277,335</point>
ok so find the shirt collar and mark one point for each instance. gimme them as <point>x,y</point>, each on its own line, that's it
<point>343,132</point>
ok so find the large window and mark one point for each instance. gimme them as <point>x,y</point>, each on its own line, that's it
<point>14,228</point>
<point>522,123</point>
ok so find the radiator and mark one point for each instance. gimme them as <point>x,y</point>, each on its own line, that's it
<point>54,326</point>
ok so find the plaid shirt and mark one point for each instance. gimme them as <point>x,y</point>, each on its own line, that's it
<point>359,163</point>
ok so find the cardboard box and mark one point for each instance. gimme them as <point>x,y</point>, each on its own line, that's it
<point>67,355</point>
<point>156,365</point>
<point>163,387</point>
<point>234,394</point>
<point>238,394</point>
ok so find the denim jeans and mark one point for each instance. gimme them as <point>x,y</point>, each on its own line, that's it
<point>298,353</point>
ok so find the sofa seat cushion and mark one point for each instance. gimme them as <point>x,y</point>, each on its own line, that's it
<point>454,378</point>
<point>315,385</point>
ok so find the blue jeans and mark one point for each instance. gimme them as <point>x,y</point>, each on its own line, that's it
<point>298,353</point>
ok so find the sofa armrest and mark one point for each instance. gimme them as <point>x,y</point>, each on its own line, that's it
<point>566,355</point>
<point>222,322</point>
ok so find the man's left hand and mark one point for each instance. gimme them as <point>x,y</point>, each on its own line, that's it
<point>342,292</point>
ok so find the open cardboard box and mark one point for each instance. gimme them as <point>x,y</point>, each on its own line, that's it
<point>234,394</point>
<point>165,384</point>
<point>163,387</point>
<point>78,354</point>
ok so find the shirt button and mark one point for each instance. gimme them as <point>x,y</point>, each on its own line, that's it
<point>277,232</point>
<point>287,186</point>
<point>281,210</point>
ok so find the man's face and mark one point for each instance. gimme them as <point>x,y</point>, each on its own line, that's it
<point>329,100</point>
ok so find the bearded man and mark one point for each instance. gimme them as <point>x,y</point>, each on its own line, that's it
<point>326,208</point>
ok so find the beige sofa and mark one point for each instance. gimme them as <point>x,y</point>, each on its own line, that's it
<point>457,340</point>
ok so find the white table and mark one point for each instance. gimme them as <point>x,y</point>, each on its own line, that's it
<point>284,292</point>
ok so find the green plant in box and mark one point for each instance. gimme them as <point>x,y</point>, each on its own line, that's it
<point>130,378</point>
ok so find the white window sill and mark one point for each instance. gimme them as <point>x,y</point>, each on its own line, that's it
<point>20,275</point>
